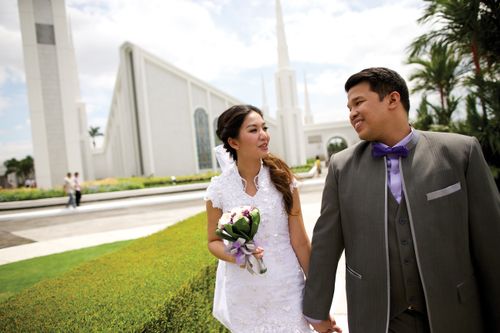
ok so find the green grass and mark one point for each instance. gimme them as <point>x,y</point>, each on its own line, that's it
<point>125,290</point>
<point>18,276</point>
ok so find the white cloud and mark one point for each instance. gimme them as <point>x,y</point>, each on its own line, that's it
<point>99,122</point>
<point>193,37</point>
<point>4,104</point>
<point>18,149</point>
<point>11,60</point>
<point>231,42</point>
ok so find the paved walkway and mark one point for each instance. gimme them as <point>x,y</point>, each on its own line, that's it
<point>53,230</point>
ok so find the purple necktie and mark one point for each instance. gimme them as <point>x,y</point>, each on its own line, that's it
<point>379,151</point>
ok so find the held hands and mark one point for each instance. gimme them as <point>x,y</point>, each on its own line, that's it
<point>327,326</point>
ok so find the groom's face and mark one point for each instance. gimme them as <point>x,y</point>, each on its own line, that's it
<point>368,114</point>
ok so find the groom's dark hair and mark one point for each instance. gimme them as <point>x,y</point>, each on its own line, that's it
<point>382,81</point>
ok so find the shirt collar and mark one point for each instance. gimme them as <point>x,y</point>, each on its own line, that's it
<point>404,142</point>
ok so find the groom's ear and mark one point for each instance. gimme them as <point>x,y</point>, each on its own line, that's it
<point>233,143</point>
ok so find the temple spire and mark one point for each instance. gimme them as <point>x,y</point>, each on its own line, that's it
<point>283,59</point>
<point>308,119</point>
<point>289,114</point>
<point>265,105</point>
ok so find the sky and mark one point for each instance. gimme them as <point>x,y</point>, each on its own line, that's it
<point>230,44</point>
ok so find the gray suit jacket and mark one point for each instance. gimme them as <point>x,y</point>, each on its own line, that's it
<point>454,210</point>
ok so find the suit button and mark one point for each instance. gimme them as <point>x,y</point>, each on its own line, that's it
<point>406,261</point>
<point>403,221</point>
<point>404,242</point>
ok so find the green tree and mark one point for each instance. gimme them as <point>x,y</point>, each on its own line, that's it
<point>94,132</point>
<point>424,118</point>
<point>23,169</point>
<point>335,145</point>
<point>438,72</point>
<point>471,29</point>
<point>27,167</point>
<point>11,166</point>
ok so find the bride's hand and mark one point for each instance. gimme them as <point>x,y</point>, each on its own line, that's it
<point>326,326</point>
<point>258,253</point>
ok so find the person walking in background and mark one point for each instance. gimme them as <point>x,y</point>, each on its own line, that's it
<point>252,177</point>
<point>317,164</point>
<point>418,216</point>
<point>69,190</point>
<point>78,189</point>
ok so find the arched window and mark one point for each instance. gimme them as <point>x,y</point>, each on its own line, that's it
<point>216,138</point>
<point>335,145</point>
<point>202,139</point>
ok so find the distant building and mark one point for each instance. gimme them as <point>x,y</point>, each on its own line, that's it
<point>58,117</point>
<point>162,119</point>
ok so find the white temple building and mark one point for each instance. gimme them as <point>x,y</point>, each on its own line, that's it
<point>162,119</point>
<point>58,117</point>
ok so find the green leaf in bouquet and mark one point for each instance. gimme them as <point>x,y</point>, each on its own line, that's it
<point>231,231</point>
<point>225,235</point>
<point>255,216</point>
<point>242,228</point>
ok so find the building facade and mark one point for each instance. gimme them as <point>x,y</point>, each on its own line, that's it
<point>162,120</point>
<point>58,117</point>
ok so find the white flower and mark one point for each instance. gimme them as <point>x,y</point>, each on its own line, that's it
<point>224,219</point>
<point>237,212</point>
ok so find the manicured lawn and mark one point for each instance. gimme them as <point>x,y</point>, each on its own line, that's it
<point>159,283</point>
<point>20,275</point>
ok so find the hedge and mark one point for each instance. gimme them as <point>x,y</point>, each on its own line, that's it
<point>104,185</point>
<point>190,310</point>
<point>163,282</point>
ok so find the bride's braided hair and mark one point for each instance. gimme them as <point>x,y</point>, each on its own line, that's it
<point>228,126</point>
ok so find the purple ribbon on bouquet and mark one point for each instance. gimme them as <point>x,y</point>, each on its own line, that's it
<point>242,250</point>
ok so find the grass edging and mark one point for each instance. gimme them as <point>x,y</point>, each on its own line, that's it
<point>20,275</point>
<point>132,289</point>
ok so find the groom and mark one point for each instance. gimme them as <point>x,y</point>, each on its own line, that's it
<point>418,215</point>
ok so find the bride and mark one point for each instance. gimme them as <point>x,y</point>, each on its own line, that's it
<point>245,302</point>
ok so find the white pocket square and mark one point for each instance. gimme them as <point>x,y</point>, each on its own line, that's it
<point>443,192</point>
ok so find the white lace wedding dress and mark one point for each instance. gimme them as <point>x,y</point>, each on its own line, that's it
<point>271,302</point>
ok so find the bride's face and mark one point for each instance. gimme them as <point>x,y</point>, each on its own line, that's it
<point>253,139</point>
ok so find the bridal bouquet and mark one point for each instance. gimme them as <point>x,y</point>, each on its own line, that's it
<point>239,227</point>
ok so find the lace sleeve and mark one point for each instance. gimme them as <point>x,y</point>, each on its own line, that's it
<point>213,193</point>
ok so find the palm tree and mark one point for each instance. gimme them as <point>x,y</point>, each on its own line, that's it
<point>471,28</point>
<point>439,72</point>
<point>94,132</point>
<point>459,27</point>
<point>424,118</point>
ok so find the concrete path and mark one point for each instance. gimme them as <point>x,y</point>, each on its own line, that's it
<point>48,230</point>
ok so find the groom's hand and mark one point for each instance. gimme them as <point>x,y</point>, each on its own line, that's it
<point>326,326</point>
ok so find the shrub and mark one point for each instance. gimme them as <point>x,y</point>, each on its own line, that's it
<point>29,194</point>
<point>133,289</point>
<point>104,185</point>
<point>190,310</point>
